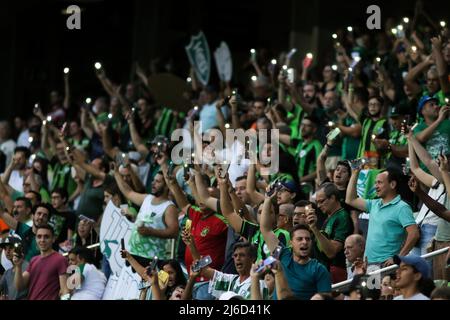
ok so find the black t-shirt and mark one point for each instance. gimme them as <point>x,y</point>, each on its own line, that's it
<point>62,222</point>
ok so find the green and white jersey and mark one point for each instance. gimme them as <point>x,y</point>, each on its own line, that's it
<point>152,216</point>
<point>222,283</point>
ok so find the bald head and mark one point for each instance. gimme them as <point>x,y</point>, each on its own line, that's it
<point>354,247</point>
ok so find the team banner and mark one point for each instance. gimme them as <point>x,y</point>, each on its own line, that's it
<point>200,57</point>
<point>224,63</point>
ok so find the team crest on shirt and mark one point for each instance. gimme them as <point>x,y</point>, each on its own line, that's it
<point>204,232</point>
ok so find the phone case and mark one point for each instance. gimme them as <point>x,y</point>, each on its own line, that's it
<point>188,225</point>
<point>163,277</point>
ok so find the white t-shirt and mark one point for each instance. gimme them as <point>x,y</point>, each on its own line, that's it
<point>7,148</point>
<point>222,283</point>
<point>93,286</point>
<point>16,181</point>
<point>23,141</point>
<point>418,296</point>
<point>440,195</point>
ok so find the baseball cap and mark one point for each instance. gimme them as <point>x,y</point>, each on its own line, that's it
<point>290,185</point>
<point>420,264</point>
<point>424,100</point>
<point>230,295</point>
<point>9,241</point>
<point>398,110</point>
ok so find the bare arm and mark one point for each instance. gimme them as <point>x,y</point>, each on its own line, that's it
<point>226,207</point>
<point>321,171</point>
<point>5,195</point>
<point>281,283</point>
<point>440,64</point>
<point>423,177</point>
<point>80,158</point>
<point>352,197</point>
<point>66,103</point>
<point>85,124</point>
<point>255,197</point>
<point>63,290</point>
<point>411,239</point>
<point>171,222</point>
<point>255,288</point>
<point>266,225</point>
<point>9,220</point>
<point>426,134</point>
<point>136,198</point>
<point>330,247</point>
<point>136,138</point>
<point>415,72</point>
<point>21,280</point>
<point>203,194</point>
<point>106,141</point>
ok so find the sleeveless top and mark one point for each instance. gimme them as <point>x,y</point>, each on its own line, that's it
<point>150,216</point>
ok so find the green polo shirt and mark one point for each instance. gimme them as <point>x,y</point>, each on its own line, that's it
<point>336,227</point>
<point>387,223</point>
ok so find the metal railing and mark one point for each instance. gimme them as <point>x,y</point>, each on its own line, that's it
<point>390,268</point>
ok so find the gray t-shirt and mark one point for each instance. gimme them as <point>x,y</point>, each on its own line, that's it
<point>7,286</point>
<point>418,296</point>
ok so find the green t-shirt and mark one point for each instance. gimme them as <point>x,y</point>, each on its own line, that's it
<point>306,157</point>
<point>62,178</point>
<point>440,95</point>
<point>91,201</point>
<point>29,241</point>
<point>439,138</point>
<point>350,145</point>
<point>336,227</point>
<point>253,234</point>
<point>295,117</point>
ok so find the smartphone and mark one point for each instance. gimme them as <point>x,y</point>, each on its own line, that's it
<point>152,266</point>
<point>357,163</point>
<point>267,262</point>
<point>442,152</point>
<point>188,225</point>
<point>202,263</point>
<point>274,187</point>
<point>291,75</point>
<point>18,250</point>
<point>276,253</point>
<point>333,134</point>
<point>122,244</point>
<point>163,277</point>
<point>64,128</point>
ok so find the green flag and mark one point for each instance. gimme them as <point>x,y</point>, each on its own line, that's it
<point>199,57</point>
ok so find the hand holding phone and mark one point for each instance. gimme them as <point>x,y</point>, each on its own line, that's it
<point>202,263</point>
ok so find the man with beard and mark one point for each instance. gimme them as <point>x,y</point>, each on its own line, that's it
<point>45,276</point>
<point>63,220</point>
<point>434,132</point>
<point>392,228</point>
<point>22,211</point>
<point>40,215</point>
<point>305,276</point>
<point>329,239</point>
<point>244,255</point>
<point>156,222</point>
<point>15,172</point>
<point>374,128</point>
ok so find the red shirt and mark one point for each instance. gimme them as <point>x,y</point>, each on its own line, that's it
<point>210,236</point>
<point>44,276</point>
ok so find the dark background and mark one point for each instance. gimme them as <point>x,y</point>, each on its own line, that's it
<point>36,45</point>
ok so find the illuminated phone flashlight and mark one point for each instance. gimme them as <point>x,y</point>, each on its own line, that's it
<point>334,67</point>
<point>30,139</point>
<point>273,62</point>
<point>446,100</point>
<point>44,123</point>
<point>133,109</point>
<point>254,78</point>
<point>307,208</point>
<point>350,69</point>
<point>98,65</point>
<point>227,126</point>
<point>123,155</point>
<point>394,31</point>
<point>357,59</point>
<point>66,70</point>
<point>67,149</point>
<point>193,155</point>
<point>252,51</point>
<point>189,79</point>
<point>110,116</point>
<point>309,55</point>
<point>49,119</point>
<point>443,24</point>
<point>406,20</point>
<point>196,108</point>
<point>88,100</point>
<point>334,36</point>
<point>374,137</point>
<point>32,157</point>
<point>378,59</point>
<point>400,27</point>
<point>330,123</point>
<point>285,67</point>
<point>349,29</point>
<point>414,49</point>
